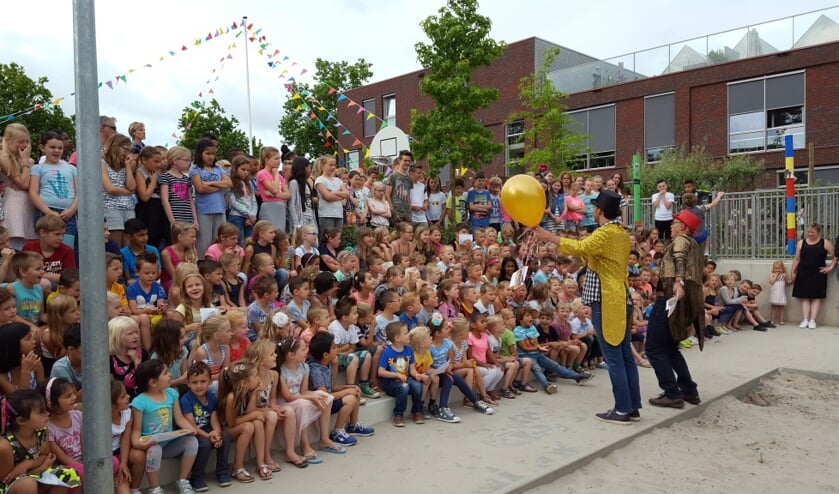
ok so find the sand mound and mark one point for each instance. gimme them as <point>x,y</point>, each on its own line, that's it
<point>781,435</point>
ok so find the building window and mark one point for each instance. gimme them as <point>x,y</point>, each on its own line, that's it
<point>514,147</point>
<point>598,125</point>
<point>369,123</point>
<point>389,107</point>
<point>762,111</point>
<point>659,125</point>
<point>353,159</point>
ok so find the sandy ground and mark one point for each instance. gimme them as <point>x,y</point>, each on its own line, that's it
<point>781,435</point>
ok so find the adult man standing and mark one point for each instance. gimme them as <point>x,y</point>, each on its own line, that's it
<point>398,189</point>
<point>606,291</point>
<point>107,128</point>
<point>681,277</point>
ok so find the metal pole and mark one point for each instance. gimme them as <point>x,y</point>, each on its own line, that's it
<point>96,422</point>
<point>248,85</point>
<point>636,188</point>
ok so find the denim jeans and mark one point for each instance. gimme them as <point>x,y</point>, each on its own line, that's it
<point>540,363</point>
<point>245,232</point>
<point>205,447</point>
<point>400,391</point>
<point>667,361</point>
<point>464,388</point>
<point>623,371</point>
<point>445,389</point>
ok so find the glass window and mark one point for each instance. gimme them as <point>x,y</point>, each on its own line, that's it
<point>598,124</point>
<point>389,108</point>
<point>753,127</point>
<point>659,125</point>
<point>514,147</point>
<point>353,159</point>
<point>369,123</point>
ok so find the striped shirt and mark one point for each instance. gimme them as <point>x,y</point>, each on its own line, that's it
<point>180,197</point>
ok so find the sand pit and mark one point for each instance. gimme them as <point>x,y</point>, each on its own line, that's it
<point>782,435</point>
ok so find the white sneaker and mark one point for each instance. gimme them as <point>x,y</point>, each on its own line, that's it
<point>694,340</point>
<point>812,324</point>
<point>184,487</point>
<point>804,323</point>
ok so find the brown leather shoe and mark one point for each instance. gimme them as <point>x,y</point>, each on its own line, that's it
<point>693,400</point>
<point>665,402</point>
<point>419,418</point>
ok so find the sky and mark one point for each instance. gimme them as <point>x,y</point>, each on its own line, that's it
<point>38,35</point>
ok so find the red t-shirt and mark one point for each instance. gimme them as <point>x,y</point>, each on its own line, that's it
<point>60,260</point>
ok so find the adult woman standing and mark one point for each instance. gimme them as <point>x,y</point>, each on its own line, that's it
<point>119,185</point>
<point>15,164</point>
<point>137,132</point>
<point>681,276</point>
<point>809,274</point>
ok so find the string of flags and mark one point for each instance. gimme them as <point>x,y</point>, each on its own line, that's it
<point>112,82</point>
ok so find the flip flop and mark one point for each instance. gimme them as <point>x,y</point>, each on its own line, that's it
<point>301,463</point>
<point>313,459</point>
<point>337,449</point>
<point>274,467</point>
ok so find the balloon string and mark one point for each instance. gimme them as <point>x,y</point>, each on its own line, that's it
<point>527,239</point>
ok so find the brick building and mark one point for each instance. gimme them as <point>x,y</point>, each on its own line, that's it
<point>742,101</point>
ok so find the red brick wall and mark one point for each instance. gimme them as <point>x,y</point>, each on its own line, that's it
<point>700,102</point>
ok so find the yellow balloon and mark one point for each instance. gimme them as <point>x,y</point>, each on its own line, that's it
<point>524,199</point>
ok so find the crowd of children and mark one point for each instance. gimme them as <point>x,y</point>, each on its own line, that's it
<point>226,334</point>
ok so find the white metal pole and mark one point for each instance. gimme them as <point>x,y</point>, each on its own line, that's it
<point>248,86</point>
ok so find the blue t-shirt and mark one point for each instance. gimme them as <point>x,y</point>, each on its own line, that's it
<point>409,321</point>
<point>379,335</point>
<point>478,219</point>
<point>57,184</point>
<point>296,312</point>
<point>158,416</point>
<point>30,301</point>
<point>440,354</point>
<point>588,216</point>
<point>399,362</point>
<point>191,405</point>
<point>320,376</point>
<point>145,299</point>
<point>255,314</point>
<point>129,260</point>
<point>521,333</point>
<point>212,203</point>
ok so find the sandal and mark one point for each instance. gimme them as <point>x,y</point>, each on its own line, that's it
<point>644,363</point>
<point>301,463</point>
<point>243,476</point>
<point>274,467</point>
<point>313,459</point>
<point>265,472</point>
<point>529,389</point>
<point>335,448</point>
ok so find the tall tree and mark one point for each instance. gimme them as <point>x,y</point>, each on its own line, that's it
<point>19,92</point>
<point>311,136</point>
<point>449,133</point>
<point>550,136</point>
<point>200,117</point>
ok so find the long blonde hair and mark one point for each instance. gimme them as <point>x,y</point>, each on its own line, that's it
<point>11,164</point>
<point>231,382</point>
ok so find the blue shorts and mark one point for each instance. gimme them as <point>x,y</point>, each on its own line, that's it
<point>337,405</point>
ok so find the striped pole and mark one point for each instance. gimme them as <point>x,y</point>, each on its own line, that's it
<point>789,166</point>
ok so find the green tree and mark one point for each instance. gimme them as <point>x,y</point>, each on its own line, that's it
<point>18,92</point>
<point>549,134</point>
<point>308,136</point>
<point>731,174</point>
<point>200,117</point>
<point>449,133</point>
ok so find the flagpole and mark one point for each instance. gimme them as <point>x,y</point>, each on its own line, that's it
<point>248,85</point>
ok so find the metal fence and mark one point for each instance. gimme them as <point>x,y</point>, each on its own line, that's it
<point>752,225</point>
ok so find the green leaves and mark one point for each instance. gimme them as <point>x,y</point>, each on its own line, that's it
<point>448,133</point>
<point>199,117</point>
<point>306,135</point>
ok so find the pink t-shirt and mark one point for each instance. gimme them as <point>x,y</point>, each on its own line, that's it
<point>70,439</point>
<point>214,252</point>
<point>479,346</point>
<point>266,175</point>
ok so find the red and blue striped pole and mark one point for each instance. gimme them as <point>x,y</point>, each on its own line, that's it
<point>789,166</point>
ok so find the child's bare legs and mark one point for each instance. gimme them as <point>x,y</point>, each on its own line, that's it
<point>352,369</point>
<point>373,377</point>
<point>287,415</point>
<point>366,366</point>
<point>271,419</point>
<point>435,387</point>
<point>568,355</point>
<point>137,466</point>
<point>479,381</point>
<point>323,425</point>
<point>510,371</point>
<point>524,370</point>
<point>243,434</point>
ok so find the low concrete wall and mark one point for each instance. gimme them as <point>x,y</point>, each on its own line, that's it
<point>759,270</point>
